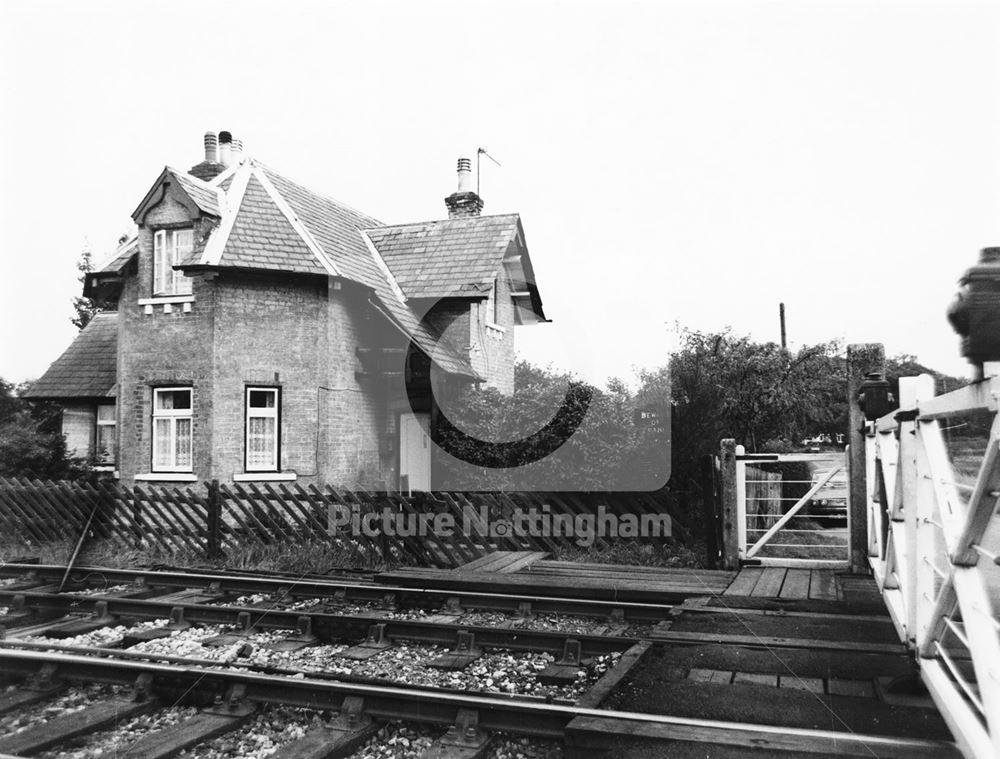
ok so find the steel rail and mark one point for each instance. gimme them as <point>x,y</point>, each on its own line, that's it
<point>426,597</point>
<point>240,666</point>
<point>495,712</point>
<point>327,625</point>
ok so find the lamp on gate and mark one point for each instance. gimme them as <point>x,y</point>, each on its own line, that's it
<point>874,397</point>
<point>975,311</point>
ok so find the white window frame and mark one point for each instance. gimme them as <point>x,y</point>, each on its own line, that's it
<point>262,413</point>
<point>172,415</point>
<point>112,456</point>
<point>166,254</point>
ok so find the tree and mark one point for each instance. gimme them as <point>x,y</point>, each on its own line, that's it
<point>519,441</point>
<point>85,307</point>
<point>31,440</point>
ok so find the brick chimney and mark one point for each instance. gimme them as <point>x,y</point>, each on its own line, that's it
<point>211,167</point>
<point>464,201</point>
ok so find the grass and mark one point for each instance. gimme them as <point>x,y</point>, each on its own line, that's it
<point>305,557</point>
<point>632,553</point>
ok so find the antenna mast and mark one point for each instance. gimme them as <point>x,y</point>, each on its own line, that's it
<point>479,152</point>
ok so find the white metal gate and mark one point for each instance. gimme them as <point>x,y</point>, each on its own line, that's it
<point>792,509</point>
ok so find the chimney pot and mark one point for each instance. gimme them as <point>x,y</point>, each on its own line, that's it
<point>465,175</point>
<point>464,201</point>
<point>211,147</point>
<point>237,150</point>
<point>225,148</point>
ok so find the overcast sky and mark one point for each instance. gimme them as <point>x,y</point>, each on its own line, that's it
<point>693,162</point>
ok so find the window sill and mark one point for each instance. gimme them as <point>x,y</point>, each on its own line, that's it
<point>496,328</point>
<point>156,299</point>
<point>167,302</point>
<point>166,477</point>
<point>265,477</point>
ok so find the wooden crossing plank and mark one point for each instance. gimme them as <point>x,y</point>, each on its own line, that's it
<point>769,584</point>
<point>525,559</point>
<point>796,584</point>
<point>795,682</point>
<point>710,675</point>
<point>755,678</point>
<point>478,565</point>
<point>816,644</point>
<point>550,564</point>
<point>611,733</point>
<point>744,582</point>
<point>822,585</point>
<point>855,688</point>
<point>524,583</point>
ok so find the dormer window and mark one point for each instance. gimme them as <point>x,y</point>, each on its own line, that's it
<point>171,247</point>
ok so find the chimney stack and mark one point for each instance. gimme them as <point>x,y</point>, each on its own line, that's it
<point>211,147</point>
<point>464,201</point>
<point>237,150</point>
<point>226,149</point>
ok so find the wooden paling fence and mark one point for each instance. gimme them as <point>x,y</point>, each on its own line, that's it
<point>367,526</point>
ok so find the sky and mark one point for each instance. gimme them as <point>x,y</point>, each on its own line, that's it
<point>674,163</point>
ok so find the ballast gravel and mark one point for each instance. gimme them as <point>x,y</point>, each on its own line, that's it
<point>263,735</point>
<point>99,638</point>
<point>397,740</point>
<point>540,622</point>
<point>496,671</point>
<point>269,601</point>
<point>102,590</point>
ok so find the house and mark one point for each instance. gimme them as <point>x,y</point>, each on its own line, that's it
<point>259,331</point>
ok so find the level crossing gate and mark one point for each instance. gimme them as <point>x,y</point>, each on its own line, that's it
<point>792,509</point>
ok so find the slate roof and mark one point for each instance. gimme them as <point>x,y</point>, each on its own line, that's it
<point>317,235</point>
<point>270,223</point>
<point>205,196</point>
<point>120,257</point>
<point>451,257</point>
<point>87,368</point>
<point>263,238</point>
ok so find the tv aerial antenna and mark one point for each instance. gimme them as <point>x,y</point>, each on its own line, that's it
<point>479,152</point>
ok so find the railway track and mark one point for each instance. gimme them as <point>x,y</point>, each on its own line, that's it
<point>346,663</point>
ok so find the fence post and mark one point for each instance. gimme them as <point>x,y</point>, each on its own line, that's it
<point>730,528</point>
<point>710,510</point>
<point>862,358</point>
<point>214,519</point>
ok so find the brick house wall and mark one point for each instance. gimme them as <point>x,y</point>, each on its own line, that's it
<point>267,332</point>
<point>160,349</point>
<point>492,338</point>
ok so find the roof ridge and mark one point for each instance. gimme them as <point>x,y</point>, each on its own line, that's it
<point>444,221</point>
<point>298,225</point>
<point>222,176</point>
<point>190,177</point>
<point>386,271</point>
<point>327,198</point>
<point>216,245</point>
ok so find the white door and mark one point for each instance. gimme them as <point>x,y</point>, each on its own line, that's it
<point>415,451</point>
